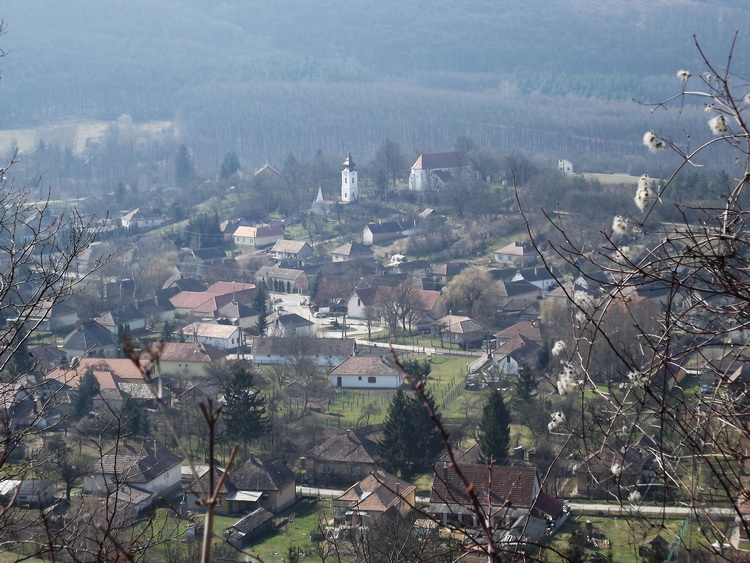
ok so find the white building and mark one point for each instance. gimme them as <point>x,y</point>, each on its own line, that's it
<point>370,372</point>
<point>225,337</point>
<point>349,188</point>
<point>153,470</point>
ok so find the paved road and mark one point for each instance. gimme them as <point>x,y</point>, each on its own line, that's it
<point>575,507</point>
<point>630,510</point>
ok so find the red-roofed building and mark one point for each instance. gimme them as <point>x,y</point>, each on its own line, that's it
<point>511,498</point>
<point>433,170</point>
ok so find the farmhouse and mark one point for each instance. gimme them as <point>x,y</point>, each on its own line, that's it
<point>371,372</point>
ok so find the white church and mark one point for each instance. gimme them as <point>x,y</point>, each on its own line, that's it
<point>349,188</point>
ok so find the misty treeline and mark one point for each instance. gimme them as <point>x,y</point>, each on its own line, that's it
<point>345,75</point>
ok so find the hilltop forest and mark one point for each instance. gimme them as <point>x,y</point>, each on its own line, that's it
<point>554,79</point>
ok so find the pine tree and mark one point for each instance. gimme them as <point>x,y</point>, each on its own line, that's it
<point>393,447</point>
<point>82,398</point>
<point>526,386</point>
<point>183,168</point>
<point>410,438</point>
<point>245,416</point>
<point>230,165</point>
<point>494,430</point>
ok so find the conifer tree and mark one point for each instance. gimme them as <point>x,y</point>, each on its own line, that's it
<point>245,416</point>
<point>83,397</point>
<point>494,430</point>
<point>410,438</point>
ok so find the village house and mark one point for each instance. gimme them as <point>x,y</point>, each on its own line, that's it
<point>539,277</point>
<point>376,495</point>
<point>342,458</point>
<point>141,219</point>
<point>260,236</point>
<point>322,352</point>
<point>375,233</point>
<point>288,325</point>
<point>137,465</point>
<point>197,261</point>
<point>444,273</point>
<point>530,330</point>
<point>126,318</point>
<point>52,317</point>
<point>511,498</point>
<point>257,483</point>
<point>458,329</point>
<point>226,337</point>
<point>27,492</point>
<point>432,171</point>
<point>370,372</point>
<point>189,358</point>
<point>291,250</point>
<point>614,473</point>
<point>514,353</point>
<point>517,254</point>
<point>283,280</point>
<point>350,252</point>
<point>90,339</point>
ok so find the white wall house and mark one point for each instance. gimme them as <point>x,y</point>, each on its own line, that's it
<point>366,372</point>
<point>141,219</point>
<point>258,237</point>
<point>225,337</point>
<point>154,470</point>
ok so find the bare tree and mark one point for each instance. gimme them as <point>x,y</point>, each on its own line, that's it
<point>676,398</point>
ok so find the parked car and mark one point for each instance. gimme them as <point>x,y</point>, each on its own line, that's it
<point>280,308</point>
<point>320,315</point>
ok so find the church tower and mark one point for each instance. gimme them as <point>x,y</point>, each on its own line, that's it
<point>349,188</point>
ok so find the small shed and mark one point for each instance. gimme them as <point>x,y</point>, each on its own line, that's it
<point>257,523</point>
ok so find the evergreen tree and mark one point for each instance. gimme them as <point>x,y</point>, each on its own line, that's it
<point>245,416</point>
<point>260,301</point>
<point>135,419</point>
<point>410,438</point>
<point>393,447</point>
<point>494,430</point>
<point>230,165</point>
<point>526,385</point>
<point>261,324</point>
<point>184,172</point>
<point>418,371</point>
<point>82,398</point>
<point>315,285</point>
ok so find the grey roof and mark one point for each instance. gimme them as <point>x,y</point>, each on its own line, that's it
<point>306,345</point>
<point>135,463</point>
<point>88,336</point>
<point>260,475</point>
<point>385,228</point>
<point>349,447</point>
<point>352,249</point>
<point>288,320</point>
<point>249,523</point>
<point>366,365</point>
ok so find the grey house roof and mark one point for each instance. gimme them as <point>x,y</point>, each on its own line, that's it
<point>135,463</point>
<point>349,447</point>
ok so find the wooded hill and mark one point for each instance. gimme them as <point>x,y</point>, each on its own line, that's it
<point>264,79</point>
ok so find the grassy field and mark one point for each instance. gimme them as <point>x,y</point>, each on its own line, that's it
<point>72,134</point>
<point>611,178</point>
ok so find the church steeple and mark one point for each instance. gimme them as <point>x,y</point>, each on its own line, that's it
<point>349,188</point>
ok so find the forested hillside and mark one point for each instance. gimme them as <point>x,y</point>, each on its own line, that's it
<point>265,78</point>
